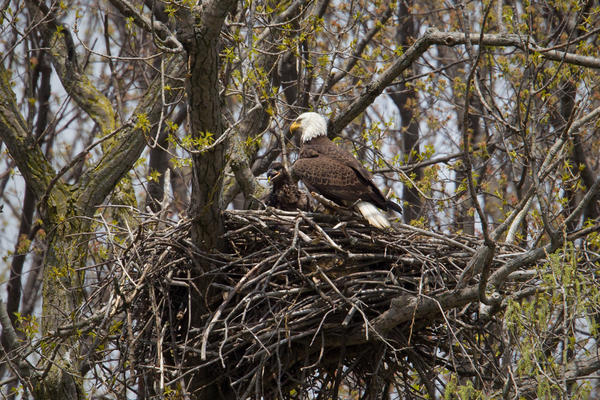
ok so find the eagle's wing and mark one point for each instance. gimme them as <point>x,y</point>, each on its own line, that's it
<point>331,178</point>
<point>350,170</point>
<point>332,151</point>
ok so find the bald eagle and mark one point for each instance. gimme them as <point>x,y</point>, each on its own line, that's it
<point>335,174</point>
<point>285,194</point>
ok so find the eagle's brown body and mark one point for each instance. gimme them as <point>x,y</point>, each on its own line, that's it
<point>334,173</point>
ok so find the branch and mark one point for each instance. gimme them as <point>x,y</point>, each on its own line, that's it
<point>22,245</point>
<point>520,211</point>
<point>480,260</point>
<point>28,157</point>
<point>435,37</point>
<point>467,136</point>
<point>514,227</point>
<point>171,44</point>
<point>584,202</point>
<point>404,308</point>
<point>126,146</point>
<point>580,368</point>
<point>256,120</point>
<point>334,78</point>
<point>576,370</point>
<point>243,174</point>
<point>74,81</point>
<point>529,257</point>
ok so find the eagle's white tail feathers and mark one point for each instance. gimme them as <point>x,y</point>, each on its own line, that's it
<point>373,215</point>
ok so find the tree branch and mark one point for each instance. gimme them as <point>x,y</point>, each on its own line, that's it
<point>28,157</point>
<point>334,78</point>
<point>435,37</point>
<point>403,309</point>
<point>152,26</point>
<point>256,120</point>
<point>75,82</point>
<point>125,148</point>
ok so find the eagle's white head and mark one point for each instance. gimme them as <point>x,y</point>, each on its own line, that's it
<point>311,125</point>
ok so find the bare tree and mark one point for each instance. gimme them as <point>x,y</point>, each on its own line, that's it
<point>140,261</point>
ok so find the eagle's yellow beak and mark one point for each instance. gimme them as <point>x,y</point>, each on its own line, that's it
<point>295,126</point>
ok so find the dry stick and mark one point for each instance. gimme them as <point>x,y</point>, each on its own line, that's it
<point>331,204</point>
<point>351,313</point>
<point>159,340</point>
<point>438,236</point>
<point>414,314</point>
<point>331,242</point>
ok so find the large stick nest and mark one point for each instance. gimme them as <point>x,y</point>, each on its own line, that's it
<point>297,297</point>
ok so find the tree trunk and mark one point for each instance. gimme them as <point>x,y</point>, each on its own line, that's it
<point>209,162</point>
<point>207,125</point>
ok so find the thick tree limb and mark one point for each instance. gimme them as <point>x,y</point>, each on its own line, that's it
<point>125,148</point>
<point>28,157</point>
<point>73,79</point>
<point>402,309</point>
